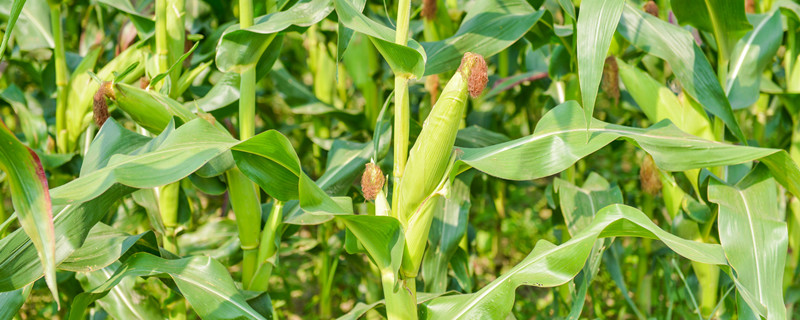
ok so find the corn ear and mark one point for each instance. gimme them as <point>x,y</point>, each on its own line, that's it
<point>82,88</point>
<point>430,155</point>
<point>151,110</point>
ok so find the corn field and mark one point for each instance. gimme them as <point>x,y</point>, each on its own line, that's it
<point>399,159</point>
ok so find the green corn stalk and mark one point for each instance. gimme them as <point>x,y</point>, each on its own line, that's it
<point>427,165</point>
<point>62,140</point>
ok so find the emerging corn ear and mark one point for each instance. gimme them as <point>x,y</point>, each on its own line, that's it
<point>151,110</point>
<point>430,156</point>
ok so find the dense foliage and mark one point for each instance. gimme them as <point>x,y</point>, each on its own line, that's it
<point>435,159</point>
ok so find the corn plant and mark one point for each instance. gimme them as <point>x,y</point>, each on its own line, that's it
<point>435,159</point>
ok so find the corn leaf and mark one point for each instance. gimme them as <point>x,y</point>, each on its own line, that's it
<point>549,265</point>
<point>677,47</point>
<point>240,49</point>
<point>12,301</point>
<point>32,26</point>
<point>408,60</point>
<point>31,200</point>
<point>204,282</point>
<point>123,301</point>
<point>750,57</point>
<point>104,245</point>
<point>179,154</point>
<point>755,238</point>
<point>559,141</point>
<point>597,22</point>
<point>489,27</point>
<point>725,19</point>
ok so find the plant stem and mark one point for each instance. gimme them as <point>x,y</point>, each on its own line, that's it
<point>176,36</point>
<point>61,78</point>
<point>245,204</point>
<point>401,109</point>
<point>402,303</point>
<point>162,49</point>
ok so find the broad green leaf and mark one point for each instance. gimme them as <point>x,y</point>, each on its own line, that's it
<point>724,18</point>
<point>12,301</point>
<point>559,141</point>
<point>31,199</point>
<point>240,49</point>
<point>103,246</point>
<point>32,27</point>
<point>448,227</point>
<point>16,9</point>
<point>381,236</point>
<point>549,265</point>
<point>204,282</point>
<point>270,161</point>
<point>19,264</point>
<point>404,60</point>
<point>33,127</point>
<point>659,102</point>
<point>750,57</point>
<point>123,301</point>
<point>597,22</point>
<point>182,152</point>
<point>754,237</point>
<point>676,46</point>
<point>489,27</point>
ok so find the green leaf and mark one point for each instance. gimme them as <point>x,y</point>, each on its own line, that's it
<point>489,27</point>
<point>676,46</point>
<point>755,238</point>
<point>204,282</point>
<point>549,265</point>
<point>12,301</point>
<point>240,49</point>
<point>104,245</point>
<point>559,141</point>
<point>182,152</point>
<point>580,204</point>
<point>725,19</point>
<point>16,9</point>
<point>269,160</point>
<point>381,236</point>
<point>404,60</point>
<point>597,22</point>
<point>31,199</point>
<point>33,24</point>
<point>124,301</point>
<point>659,102</point>
<point>19,264</point>
<point>750,57</point>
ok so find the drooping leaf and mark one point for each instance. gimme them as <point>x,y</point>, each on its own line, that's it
<point>145,24</point>
<point>677,47</point>
<point>182,152</point>
<point>754,237</point>
<point>204,282</point>
<point>489,27</point>
<point>597,22</point>
<point>31,199</point>
<point>408,60</point>
<point>239,49</point>
<point>103,246</point>
<point>559,141</point>
<point>751,55</point>
<point>123,301</point>
<point>549,265</point>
